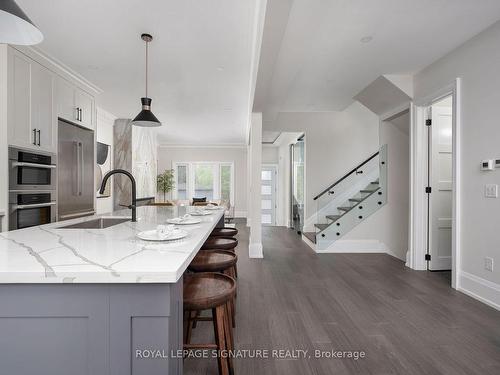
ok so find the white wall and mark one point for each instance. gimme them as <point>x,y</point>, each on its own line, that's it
<point>104,130</point>
<point>169,154</point>
<point>269,154</point>
<point>477,63</point>
<point>389,225</point>
<point>335,142</point>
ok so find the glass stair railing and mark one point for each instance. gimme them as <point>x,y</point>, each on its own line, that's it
<point>350,200</point>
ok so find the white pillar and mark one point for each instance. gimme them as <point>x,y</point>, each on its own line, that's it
<point>4,195</point>
<point>255,155</point>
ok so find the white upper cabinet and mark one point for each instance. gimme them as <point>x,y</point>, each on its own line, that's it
<point>31,105</point>
<point>43,118</point>
<point>85,105</point>
<point>74,104</point>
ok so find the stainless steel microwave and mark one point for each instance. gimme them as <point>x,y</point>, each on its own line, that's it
<point>31,171</point>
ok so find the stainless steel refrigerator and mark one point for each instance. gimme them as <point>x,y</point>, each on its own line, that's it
<point>75,190</point>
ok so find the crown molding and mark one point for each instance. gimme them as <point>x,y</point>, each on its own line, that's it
<point>58,67</point>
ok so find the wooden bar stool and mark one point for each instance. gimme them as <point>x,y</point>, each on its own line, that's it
<point>223,243</point>
<point>210,291</point>
<point>223,261</point>
<point>224,232</point>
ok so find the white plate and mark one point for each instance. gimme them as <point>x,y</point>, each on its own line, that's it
<point>201,213</point>
<point>212,208</point>
<point>184,222</point>
<point>152,235</point>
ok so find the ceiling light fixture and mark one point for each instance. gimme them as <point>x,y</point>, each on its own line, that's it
<point>145,118</point>
<point>16,27</point>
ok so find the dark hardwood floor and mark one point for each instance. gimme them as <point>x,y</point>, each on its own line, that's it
<point>407,322</point>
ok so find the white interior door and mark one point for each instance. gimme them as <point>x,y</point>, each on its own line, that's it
<point>268,177</point>
<point>440,204</point>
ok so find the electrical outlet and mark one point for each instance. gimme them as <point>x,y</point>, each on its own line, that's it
<point>491,190</point>
<point>488,264</point>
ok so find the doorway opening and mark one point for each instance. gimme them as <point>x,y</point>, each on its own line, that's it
<point>435,205</point>
<point>297,184</point>
<point>439,189</point>
<point>269,189</point>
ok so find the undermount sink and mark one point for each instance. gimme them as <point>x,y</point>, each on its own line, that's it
<point>101,223</point>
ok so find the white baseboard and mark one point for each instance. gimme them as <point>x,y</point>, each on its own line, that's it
<point>356,246</point>
<point>481,289</point>
<point>255,250</point>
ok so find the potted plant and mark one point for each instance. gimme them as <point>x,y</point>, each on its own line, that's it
<point>165,182</point>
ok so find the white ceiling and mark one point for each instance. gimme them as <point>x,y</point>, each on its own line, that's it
<point>312,57</point>
<point>199,59</point>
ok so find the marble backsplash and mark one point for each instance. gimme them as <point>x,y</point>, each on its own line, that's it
<point>135,150</point>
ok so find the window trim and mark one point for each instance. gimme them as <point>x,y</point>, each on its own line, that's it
<point>191,165</point>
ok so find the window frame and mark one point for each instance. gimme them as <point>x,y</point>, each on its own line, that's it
<point>216,185</point>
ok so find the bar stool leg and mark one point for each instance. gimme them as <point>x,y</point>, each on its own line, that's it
<point>221,339</point>
<point>229,337</point>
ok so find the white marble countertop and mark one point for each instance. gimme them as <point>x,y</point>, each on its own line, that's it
<point>46,254</point>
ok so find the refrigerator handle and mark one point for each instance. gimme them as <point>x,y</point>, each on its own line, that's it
<point>80,186</point>
<point>76,186</point>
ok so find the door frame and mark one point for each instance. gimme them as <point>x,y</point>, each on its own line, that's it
<point>276,200</point>
<point>418,180</point>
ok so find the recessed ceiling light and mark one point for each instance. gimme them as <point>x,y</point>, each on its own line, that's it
<point>366,39</point>
<point>220,68</point>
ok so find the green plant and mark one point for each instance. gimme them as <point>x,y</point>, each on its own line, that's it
<point>165,182</point>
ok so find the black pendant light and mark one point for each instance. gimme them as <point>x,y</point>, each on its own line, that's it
<point>16,27</point>
<point>145,118</point>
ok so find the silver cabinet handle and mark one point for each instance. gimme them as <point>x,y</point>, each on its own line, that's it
<point>81,168</point>
<point>77,114</point>
<point>34,137</point>
<point>22,206</point>
<point>38,131</point>
<point>34,165</point>
<point>76,186</point>
<point>81,115</point>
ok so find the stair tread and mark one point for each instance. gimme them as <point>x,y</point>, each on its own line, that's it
<point>333,217</point>
<point>368,191</point>
<point>356,199</point>
<point>321,226</point>
<point>344,208</point>
<point>311,236</point>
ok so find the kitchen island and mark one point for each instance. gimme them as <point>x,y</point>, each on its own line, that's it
<point>95,301</point>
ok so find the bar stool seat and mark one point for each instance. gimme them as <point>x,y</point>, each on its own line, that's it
<point>224,243</point>
<point>213,261</point>
<point>207,290</point>
<point>224,232</point>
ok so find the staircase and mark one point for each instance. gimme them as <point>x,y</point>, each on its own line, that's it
<point>350,200</point>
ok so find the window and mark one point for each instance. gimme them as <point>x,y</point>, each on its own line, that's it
<point>204,181</point>
<point>213,180</point>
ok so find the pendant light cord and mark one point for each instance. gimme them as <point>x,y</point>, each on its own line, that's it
<point>147,69</point>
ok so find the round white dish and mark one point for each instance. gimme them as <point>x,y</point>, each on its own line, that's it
<point>213,208</point>
<point>184,222</point>
<point>200,213</point>
<point>152,235</point>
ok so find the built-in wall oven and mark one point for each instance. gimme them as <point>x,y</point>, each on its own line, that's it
<point>30,208</point>
<point>32,188</point>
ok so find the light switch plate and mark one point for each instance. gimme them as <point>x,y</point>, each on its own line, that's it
<point>488,264</point>
<point>491,191</point>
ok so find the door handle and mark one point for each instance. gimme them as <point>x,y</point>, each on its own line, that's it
<point>77,171</point>
<point>38,131</point>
